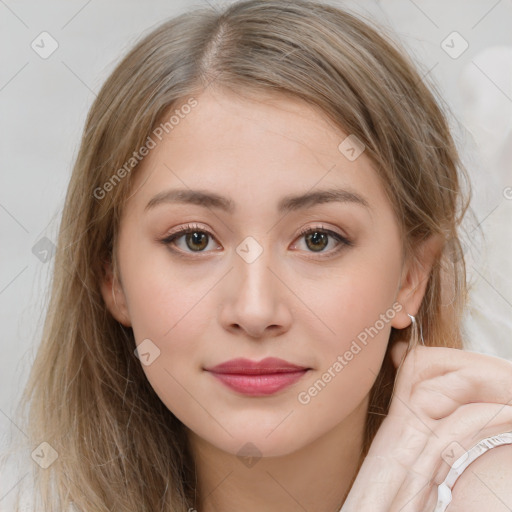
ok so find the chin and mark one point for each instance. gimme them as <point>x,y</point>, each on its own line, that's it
<point>257,442</point>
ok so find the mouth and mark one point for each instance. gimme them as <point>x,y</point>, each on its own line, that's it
<point>261,378</point>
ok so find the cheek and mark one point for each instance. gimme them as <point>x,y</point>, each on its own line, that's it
<point>357,309</point>
<point>351,359</point>
<point>357,298</point>
<point>163,295</point>
<point>174,313</point>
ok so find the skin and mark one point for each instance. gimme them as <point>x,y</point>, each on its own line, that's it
<point>445,402</point>
<point>204,308</point>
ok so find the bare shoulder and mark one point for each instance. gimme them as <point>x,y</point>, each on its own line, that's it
<point>486,484</point>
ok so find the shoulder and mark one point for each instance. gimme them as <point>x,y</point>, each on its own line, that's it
<point>486,484</point>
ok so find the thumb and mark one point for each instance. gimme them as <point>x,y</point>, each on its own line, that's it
<point>398,352</point>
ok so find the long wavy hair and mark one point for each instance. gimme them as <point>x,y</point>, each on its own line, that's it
<point>119,448</point>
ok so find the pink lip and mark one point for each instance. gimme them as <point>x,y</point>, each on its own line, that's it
<point>257,378</point>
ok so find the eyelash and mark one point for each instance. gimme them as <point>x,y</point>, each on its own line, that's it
<point>190,228</point>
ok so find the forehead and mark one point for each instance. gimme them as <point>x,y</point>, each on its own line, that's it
<point>254,148</point>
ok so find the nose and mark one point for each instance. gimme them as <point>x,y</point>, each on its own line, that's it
<point>255,298</point>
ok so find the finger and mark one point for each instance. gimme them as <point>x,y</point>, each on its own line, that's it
<point>434,381</point>
<point>439,397</point>
<point>391,454</point>
<point>375,485</point>
<point>435,361</point>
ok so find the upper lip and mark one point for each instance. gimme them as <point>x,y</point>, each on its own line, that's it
<point>248,367</point>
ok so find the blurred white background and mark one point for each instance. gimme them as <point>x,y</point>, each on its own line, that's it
<point>463,46</point>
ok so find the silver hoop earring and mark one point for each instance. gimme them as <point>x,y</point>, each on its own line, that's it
<point>414,334</point>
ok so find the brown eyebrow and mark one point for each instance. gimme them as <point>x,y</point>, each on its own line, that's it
<point>287,204</point>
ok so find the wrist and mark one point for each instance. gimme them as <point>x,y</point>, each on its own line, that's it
<point>467,458</point>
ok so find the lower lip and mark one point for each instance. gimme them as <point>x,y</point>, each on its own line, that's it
<point>259,385</point>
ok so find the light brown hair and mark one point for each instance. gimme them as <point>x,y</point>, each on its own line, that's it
<point>120,448</point>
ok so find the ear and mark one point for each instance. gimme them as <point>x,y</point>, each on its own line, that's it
<point>114,296</point>
<point>415,275</point>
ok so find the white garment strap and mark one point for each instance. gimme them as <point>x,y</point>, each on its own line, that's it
<point>444,490</point>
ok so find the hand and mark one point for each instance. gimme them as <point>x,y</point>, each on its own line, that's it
<point>445,401</point>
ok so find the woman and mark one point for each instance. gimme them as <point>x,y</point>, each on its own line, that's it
<point>260,229</point>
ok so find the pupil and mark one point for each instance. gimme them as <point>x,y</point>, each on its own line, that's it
<point>317,237</point>
<point>195,235</point>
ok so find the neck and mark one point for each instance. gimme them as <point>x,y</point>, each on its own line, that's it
<point>318,476</point>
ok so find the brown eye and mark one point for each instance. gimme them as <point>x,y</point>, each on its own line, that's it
<point>318,238</point>
<point>195,239</point>
<point>317,241</point>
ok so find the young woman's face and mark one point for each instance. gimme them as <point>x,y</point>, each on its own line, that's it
<point>248,284</point>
